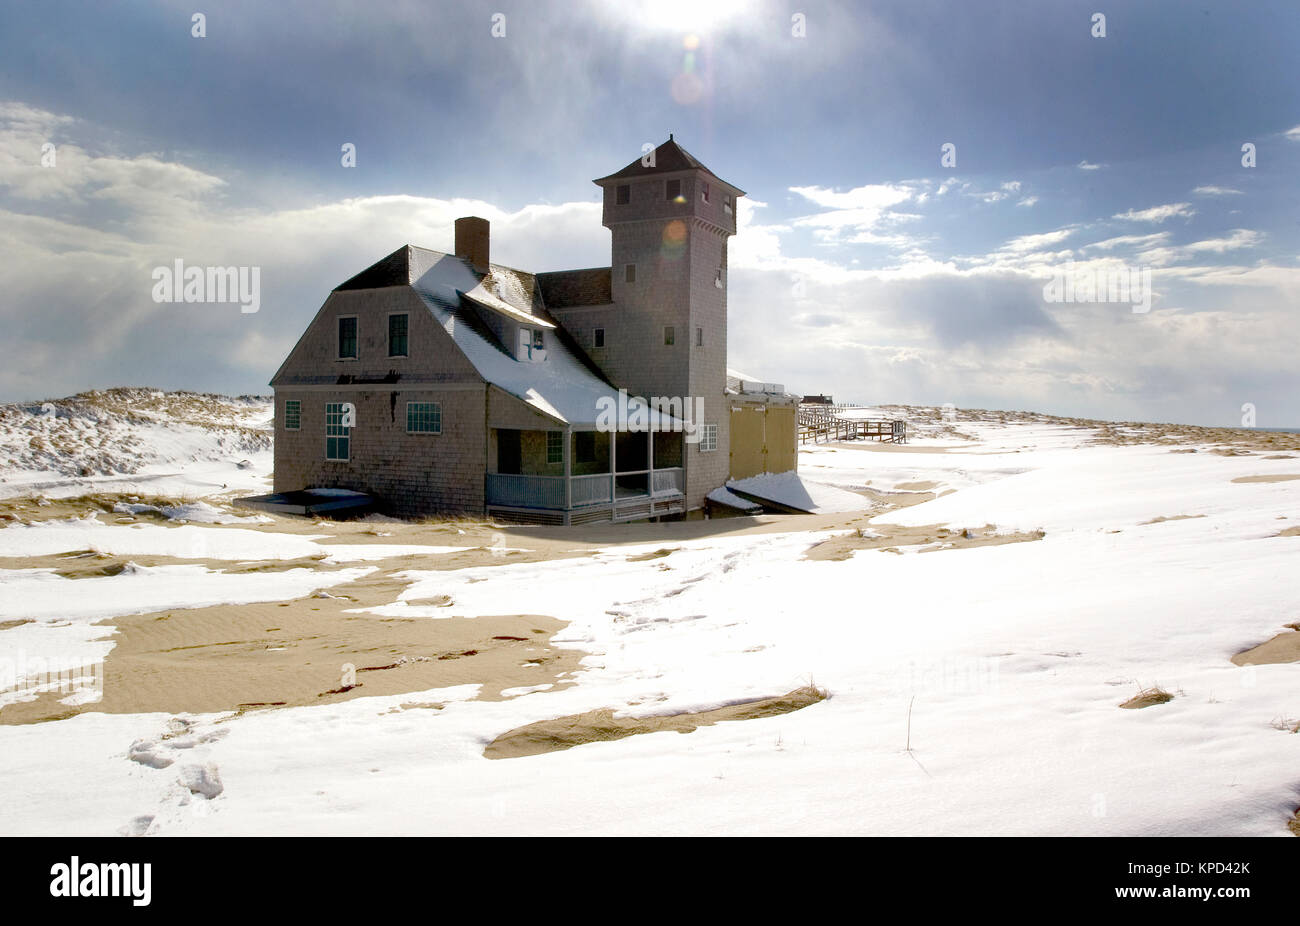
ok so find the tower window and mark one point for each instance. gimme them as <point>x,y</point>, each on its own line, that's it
<point>717,278</point>
<point>598,337</point>
<point>629,273</point>
<point>674,189</point>
<point>622,194</point>
<point>669,337</point>
<point>704,192</point>
<point>726,203</point>
<point>699,337</point>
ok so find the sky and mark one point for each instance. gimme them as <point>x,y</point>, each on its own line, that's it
<point>921,179</point>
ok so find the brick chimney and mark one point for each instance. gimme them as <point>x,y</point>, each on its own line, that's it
<point>472,241</point>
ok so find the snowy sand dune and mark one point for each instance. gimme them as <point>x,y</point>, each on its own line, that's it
<point>1154,569</point>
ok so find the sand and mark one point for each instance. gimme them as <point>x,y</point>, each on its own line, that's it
<point>282,654</point>
<point>601,725</point>
<point>930,538</point>
<point>275,654</point>
<point>1285,647</point>
<point>1280,477</point>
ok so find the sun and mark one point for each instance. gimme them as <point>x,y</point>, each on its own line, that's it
<point>685,16</point>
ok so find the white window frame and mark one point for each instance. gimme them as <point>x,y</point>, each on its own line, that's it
<point>346,435</point>
<point>708,438</point>
<point>297,403</point>
<point>558,438</point>
<point>437,407</point>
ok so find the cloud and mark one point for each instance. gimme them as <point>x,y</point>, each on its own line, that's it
<point>1084,165</point>
<point>1157,213</point>
<point>1293,134</point>
<point>1028,201</point>
<point>857,215</point>
<point>1215,191</point>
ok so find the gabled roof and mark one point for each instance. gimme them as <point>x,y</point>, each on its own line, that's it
<point>562,386</point>
<point>668,157</point>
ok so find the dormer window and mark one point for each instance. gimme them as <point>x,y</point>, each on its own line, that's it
<point>673,190</point>
<point>622,194</point>
<point>704,192</point>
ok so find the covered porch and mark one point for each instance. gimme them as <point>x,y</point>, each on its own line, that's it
<point>577,475</point>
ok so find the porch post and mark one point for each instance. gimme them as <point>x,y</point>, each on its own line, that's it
<point>613,469</point>
<point>568,470</point>
<point>650,463</point>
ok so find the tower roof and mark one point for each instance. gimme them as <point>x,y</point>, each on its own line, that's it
<point>668,157</point>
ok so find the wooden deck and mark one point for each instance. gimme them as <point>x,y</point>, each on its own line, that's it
<point>821,423</point>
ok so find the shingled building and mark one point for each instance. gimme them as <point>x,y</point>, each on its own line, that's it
<point>445,383</point>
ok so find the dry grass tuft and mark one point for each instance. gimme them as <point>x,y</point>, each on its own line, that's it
<point>1148,697</point>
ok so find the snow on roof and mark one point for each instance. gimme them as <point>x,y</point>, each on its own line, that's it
<point>560,386</point>
<point>793,491</point>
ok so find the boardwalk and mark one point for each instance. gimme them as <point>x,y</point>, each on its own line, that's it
<point>818,423</point>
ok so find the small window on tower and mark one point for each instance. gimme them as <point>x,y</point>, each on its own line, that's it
<point>669,337</point>
<point>598,338</point>
<point>704,192</point>
<point>622,194</point>
<point>674,190</point>
<point>717,278</point>
<point>629,273</point>
<point>726,203</point>
<point>699,337</point>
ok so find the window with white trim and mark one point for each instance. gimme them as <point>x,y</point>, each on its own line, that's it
<point>554,446</point>
<point>292,414</point>
<point>708,438</point>
<point>423,418</point>
<point>338,436</point>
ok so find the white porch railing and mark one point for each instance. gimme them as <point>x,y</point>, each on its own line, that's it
<point>589,490</point>
<point>666,481</point>
<point>518,491</point>
<point>525,491</point>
